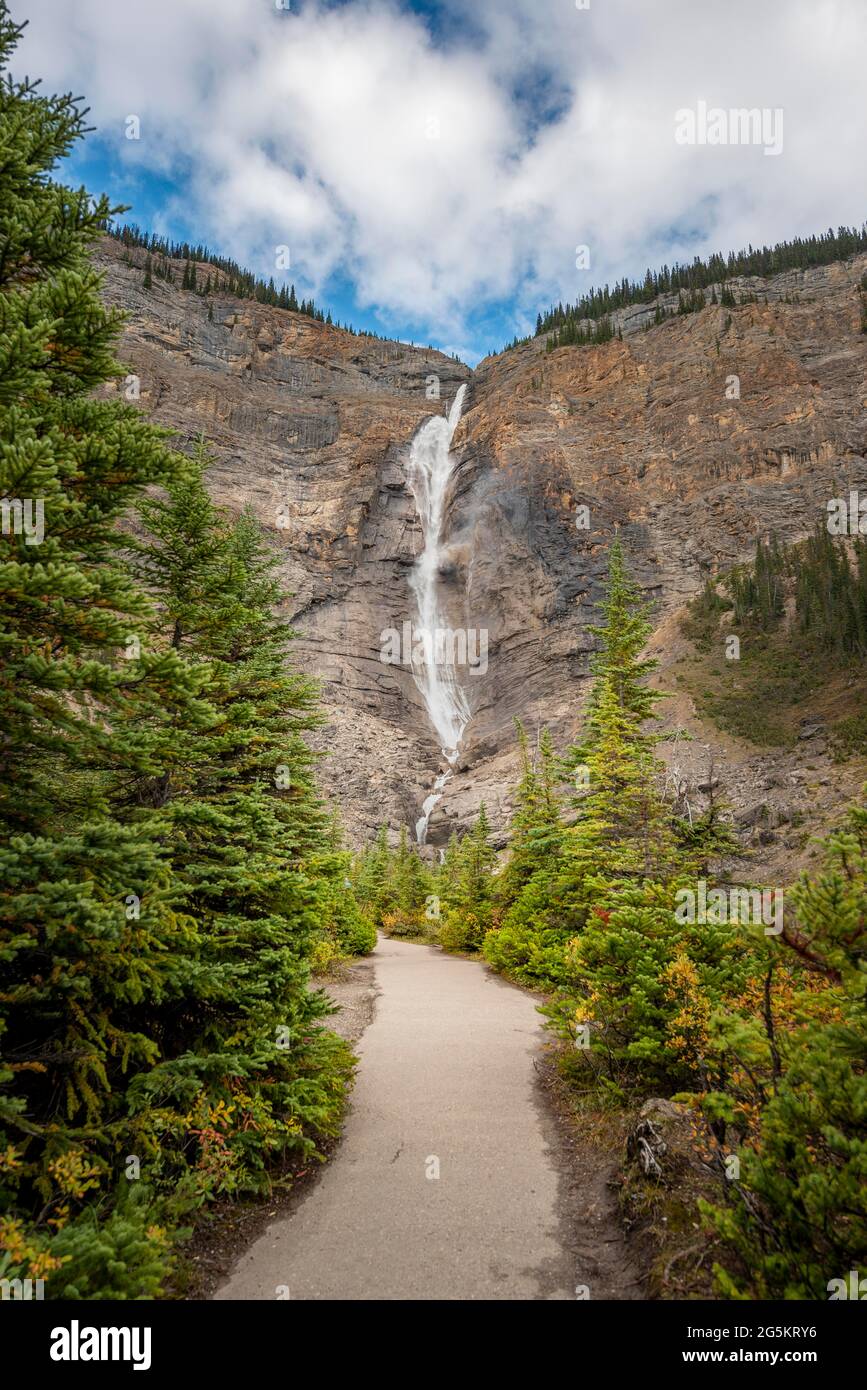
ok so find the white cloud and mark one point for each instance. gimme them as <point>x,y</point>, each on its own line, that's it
<point>315,129</point>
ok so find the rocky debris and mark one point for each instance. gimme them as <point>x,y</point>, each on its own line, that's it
<point>813,732</point>
<point>810,728</point>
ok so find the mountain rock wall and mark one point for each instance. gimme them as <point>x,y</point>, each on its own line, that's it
<point>691,438</point>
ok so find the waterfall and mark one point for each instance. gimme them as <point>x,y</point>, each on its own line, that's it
<point>428,805</point>
<point>433,669</point>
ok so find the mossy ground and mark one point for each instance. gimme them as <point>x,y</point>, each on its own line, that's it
<point>780,678</point>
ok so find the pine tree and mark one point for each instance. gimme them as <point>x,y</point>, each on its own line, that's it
<point>622,833</point>
<point>471,904</point>
<point>621,822</point>
<point>161,890</point>
<point>92,931</point>
<point>344,928</point>
<point>248,841</point>
<point>535,828</point>
<point>410,886</point>
<point>448,871</point>
<point>798,1216</point>
<point>372,878</point>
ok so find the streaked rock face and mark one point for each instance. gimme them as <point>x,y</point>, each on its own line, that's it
<point>310,425</point>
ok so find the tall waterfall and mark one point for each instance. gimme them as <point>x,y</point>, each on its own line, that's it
<point>429,470</point>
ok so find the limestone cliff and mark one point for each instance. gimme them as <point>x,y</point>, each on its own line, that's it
<point>310,425</point>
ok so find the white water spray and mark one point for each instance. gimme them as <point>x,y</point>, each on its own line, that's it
<point>429,470</point>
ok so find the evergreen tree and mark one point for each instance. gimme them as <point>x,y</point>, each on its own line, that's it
<point>535,828</point>
<point>798,1217</point>
<point>373,878</point>
<point>621,822</point>
<point>621,830</point>
<point>344,929</point>
<point>248,840</point>
<point>410,885</point>
<point>690,280</point>
<point>471,904</point>
<point>91,927</point>
<point>831,593</point>
<point>448,871</point>
<point>161,888</point>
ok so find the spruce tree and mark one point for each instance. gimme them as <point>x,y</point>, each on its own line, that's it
<point>410,886</point>
<point>448,870</point>
<point>471,902</point>
<point>162,892</point>
<point>372,878</point>
<point>92,930</point>
<point>344,927</point>
<point>248,839</point>
<point>621,825</point>
<point>798,1216</point>
<point>621,832</point>
<point>535,828</point>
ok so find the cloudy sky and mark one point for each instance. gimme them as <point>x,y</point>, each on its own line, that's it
<point>434,166</point>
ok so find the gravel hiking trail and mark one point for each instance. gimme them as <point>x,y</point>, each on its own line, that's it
<point>450,1181</point>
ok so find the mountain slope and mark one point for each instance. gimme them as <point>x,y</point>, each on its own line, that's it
<point>309,425</point>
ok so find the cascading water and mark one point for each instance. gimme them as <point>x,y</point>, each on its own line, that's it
<point>433,668</point>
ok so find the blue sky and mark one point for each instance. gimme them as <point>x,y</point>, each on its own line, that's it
<point>433,167</point>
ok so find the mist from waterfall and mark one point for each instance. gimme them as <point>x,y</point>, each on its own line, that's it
<point>429,470</point>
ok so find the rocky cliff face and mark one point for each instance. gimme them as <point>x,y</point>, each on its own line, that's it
<point>692,438</point>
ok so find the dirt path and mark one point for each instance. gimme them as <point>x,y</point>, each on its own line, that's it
<point>451,1181</point>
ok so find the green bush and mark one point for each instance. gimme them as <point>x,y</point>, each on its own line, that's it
<point>459,933</point>
<point>405,925</point>
<point>358,938</point>
<point>798,1217</point>
<point>533,941</point>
